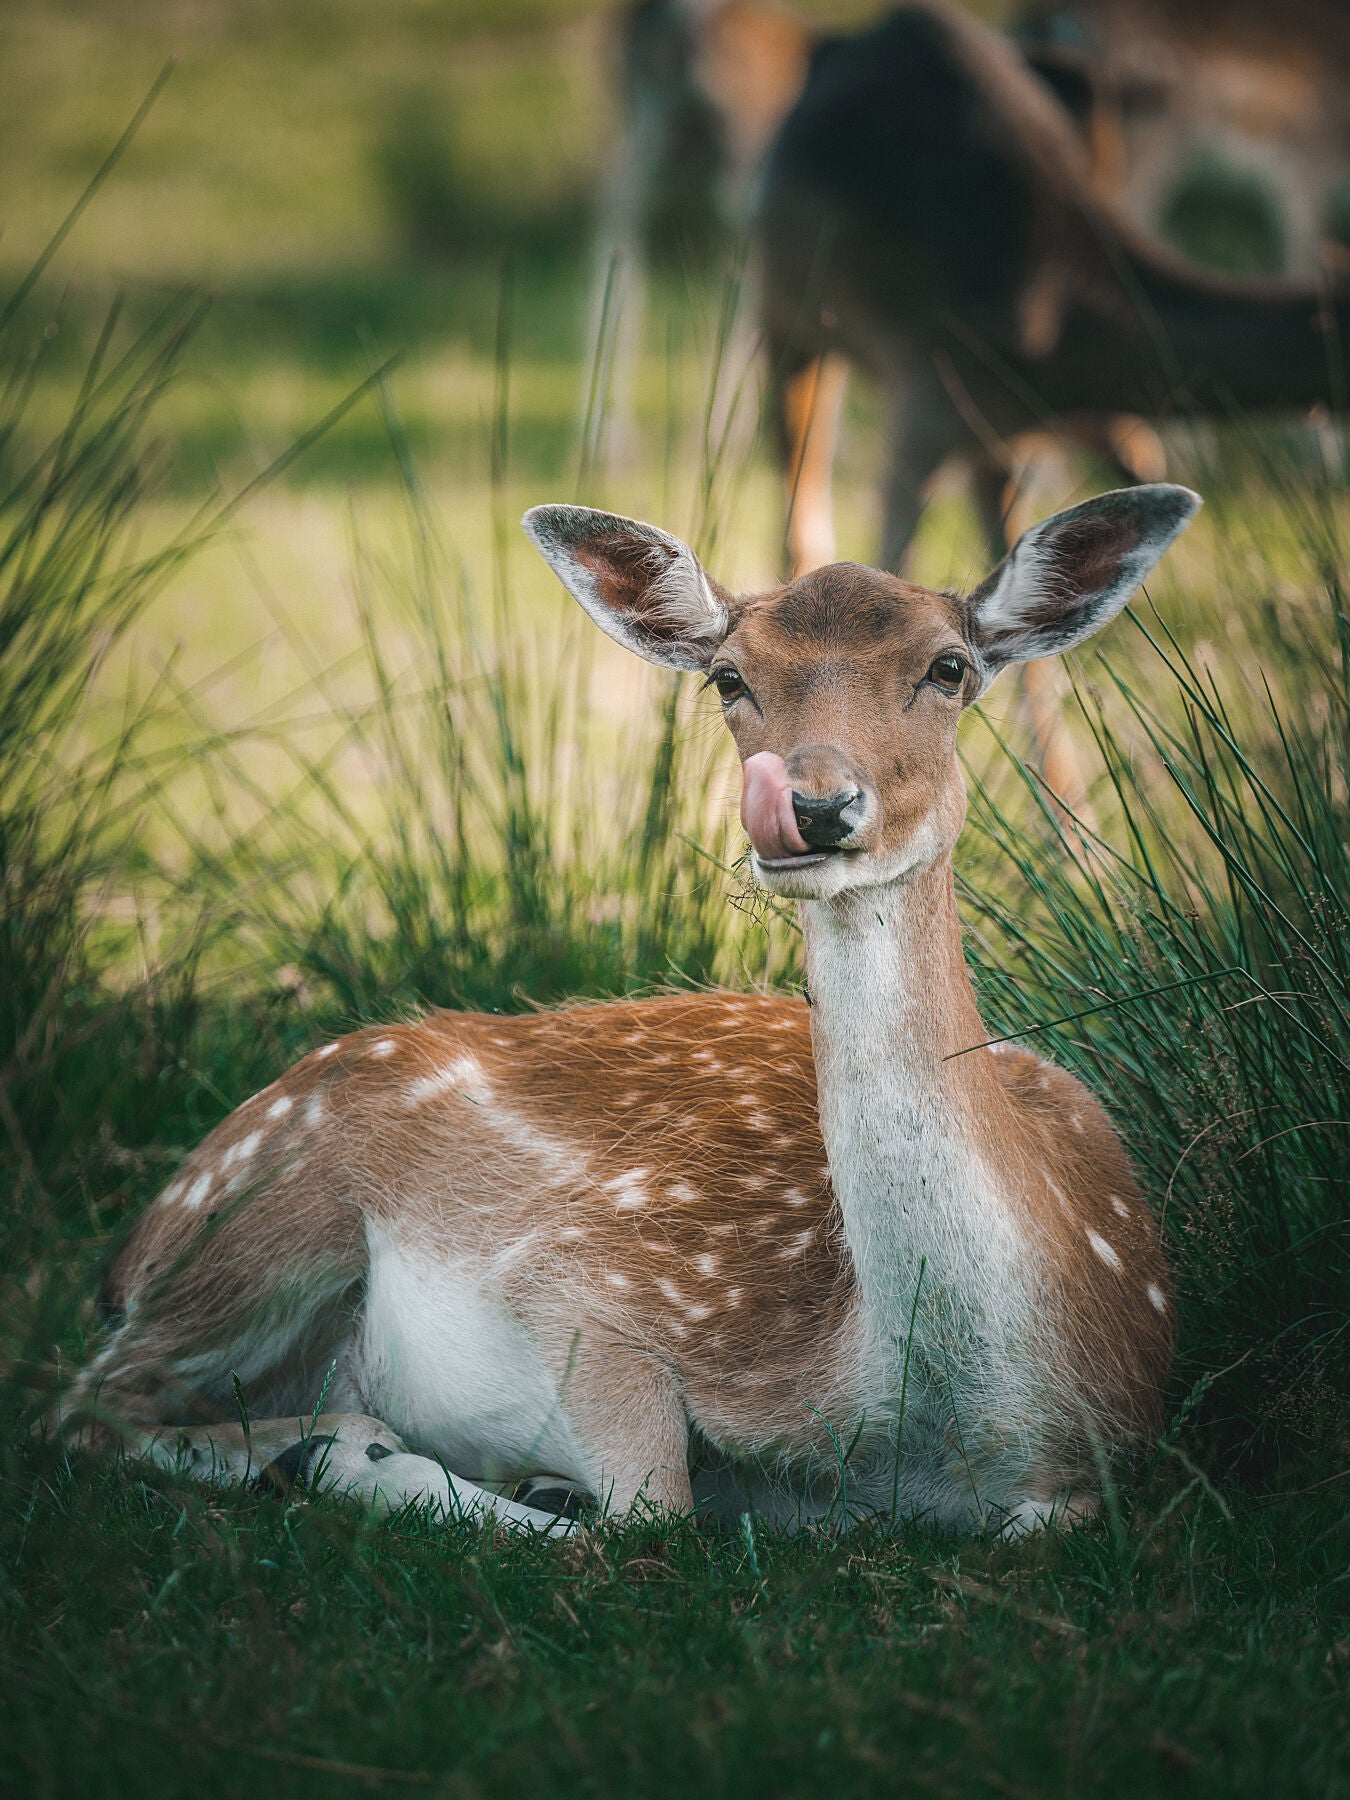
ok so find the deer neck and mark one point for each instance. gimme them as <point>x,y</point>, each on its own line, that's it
<point>909,1129</point>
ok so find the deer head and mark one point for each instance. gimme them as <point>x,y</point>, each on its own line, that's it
<point>843,690</point>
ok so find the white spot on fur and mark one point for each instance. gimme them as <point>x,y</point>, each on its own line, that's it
<point>681,1190</point>
<point>200,1188</point>
<point>752,1183</point>
<point>661,1061</point>
<point>1077,1121</point>
<point>760,1121</point>
<point>241,1152</point>
<point>732,1296</point>
<point>616,1280</point>
<point>462,1075</point>
<point>1103,1249</point>
<point>796,1246</point>
<point>1156,1296</point>
<point>570,1233</point>
<point>631,1098</point>
<point>795,1197</point>
<point>628,1191</point>
<point>325,1050</point>
<point>383,1047</point>
<point>1118,1205</point>
<point>171,1193</point>
<point>671,1293</point>
<point>315,1108</point>
<point>698,1312</point>
<point>706,1264</point>
<point>280,1107</point>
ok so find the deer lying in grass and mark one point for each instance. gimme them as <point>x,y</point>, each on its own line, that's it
<point>707,1248</point>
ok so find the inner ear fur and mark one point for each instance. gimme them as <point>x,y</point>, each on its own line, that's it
<point>1072,573</point>
<point>645,588</point>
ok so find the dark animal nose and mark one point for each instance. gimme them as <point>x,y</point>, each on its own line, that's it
<point>822,822</point>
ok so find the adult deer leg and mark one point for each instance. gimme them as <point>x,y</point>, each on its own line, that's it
<point>925,431</point>
<point>809,405</point>
<point>1133,448</point>
<point>1044,684</point>
<point>626,1411</point>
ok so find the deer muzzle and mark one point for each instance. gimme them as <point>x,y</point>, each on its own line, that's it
<point>788,825</point>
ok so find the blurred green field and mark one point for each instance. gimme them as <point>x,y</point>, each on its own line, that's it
<point>351,184</point>
<point>344,749</point>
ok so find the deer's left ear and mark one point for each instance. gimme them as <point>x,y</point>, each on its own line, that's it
<point>1071,574</point>
<point>641,585</point>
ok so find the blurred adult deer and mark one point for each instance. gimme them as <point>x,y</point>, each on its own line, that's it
<point>710,1248</point>
<point>928,214</point>
<point>703,85</point>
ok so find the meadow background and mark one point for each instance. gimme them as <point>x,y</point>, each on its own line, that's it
<point>296,732</point>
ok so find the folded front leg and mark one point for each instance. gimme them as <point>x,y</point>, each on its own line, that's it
<point>348,1454</point>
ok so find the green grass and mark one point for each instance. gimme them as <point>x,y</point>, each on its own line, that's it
<point>270,769</point>
<point>166,1640</point>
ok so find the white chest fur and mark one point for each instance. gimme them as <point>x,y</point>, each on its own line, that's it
<point>946,1276</point>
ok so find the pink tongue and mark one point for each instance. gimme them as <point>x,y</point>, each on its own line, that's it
<point>766,808</point>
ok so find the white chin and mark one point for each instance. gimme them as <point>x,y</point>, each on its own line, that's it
<point>811,880</point>
<point>822,879</point>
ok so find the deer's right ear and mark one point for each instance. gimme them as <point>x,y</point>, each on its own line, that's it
<point>646,589</point>
<point>1071,574</point>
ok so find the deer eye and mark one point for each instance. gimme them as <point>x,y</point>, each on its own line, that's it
<point>947,672</point>
<point>728,683</point>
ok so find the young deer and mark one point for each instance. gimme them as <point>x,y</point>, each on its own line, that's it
<point>701,1249</point>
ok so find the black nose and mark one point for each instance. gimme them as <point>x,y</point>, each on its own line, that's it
<point>822,822</point>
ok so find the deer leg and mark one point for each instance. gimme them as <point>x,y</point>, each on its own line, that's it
<point>348,1454</point>
<point>994,490</point>
<point>925,431</point>
<point>1133,448</point>
<point>625,1409</point>
<point>809,405</point>
<point>994,485</point>
<point>1045,688</point>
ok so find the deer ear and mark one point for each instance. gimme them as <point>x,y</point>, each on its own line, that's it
<point>642,586</point>
<point>1071,574</point>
